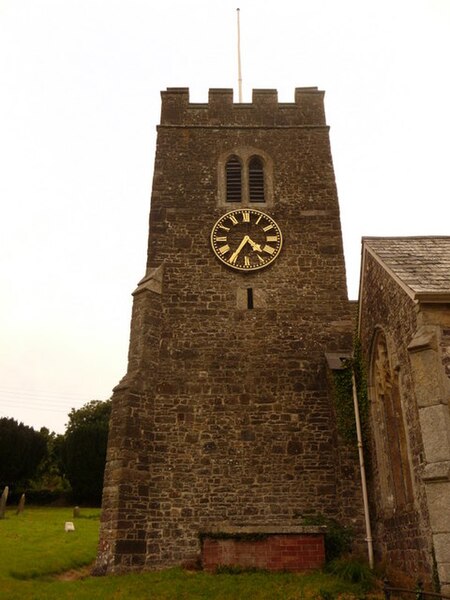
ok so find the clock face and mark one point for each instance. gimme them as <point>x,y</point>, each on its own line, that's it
<point>246,239</point>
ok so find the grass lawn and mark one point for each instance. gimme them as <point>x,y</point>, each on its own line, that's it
<point>35,551</point>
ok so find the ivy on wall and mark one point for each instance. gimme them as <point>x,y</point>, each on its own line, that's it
<point>362,391</point>
<point>343,397</point>
<point>338,538</point>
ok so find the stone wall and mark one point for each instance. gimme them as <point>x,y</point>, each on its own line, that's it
<point>225,415</point>
<point>428,352</point>
<point>401,522</point>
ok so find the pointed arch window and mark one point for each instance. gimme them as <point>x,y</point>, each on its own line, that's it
<point>256,180</point>
<point>390,434</point>
<point>233,172</point>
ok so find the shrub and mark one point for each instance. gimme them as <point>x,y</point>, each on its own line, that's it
<point>338,538</point>
<point>352,571</point>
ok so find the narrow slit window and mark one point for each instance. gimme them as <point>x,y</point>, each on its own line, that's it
<point>249,298</point>
<point>256,180</point>
<point>233,172</point>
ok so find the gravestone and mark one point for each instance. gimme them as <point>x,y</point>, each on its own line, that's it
<point>21,505</point>
<point>3,501</point>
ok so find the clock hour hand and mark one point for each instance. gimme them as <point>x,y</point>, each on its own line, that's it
<point>255,247</point>
<point>235,254</point>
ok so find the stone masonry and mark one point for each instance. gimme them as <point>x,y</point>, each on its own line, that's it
<point>404,311</point>
<point>224,417</point>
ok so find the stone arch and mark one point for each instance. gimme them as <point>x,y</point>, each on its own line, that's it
<point>388,426</point>
<point>256,187</point>
<point>262,180</point>
<point>233,179</point>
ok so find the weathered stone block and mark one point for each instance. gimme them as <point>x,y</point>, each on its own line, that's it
<point>438,495</point>
<point>442,546</point>
<point>435,425</point>
<point>431,385</point>
<point>131,547</point>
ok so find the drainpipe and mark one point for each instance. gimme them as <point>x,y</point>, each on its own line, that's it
<point>369,539</point>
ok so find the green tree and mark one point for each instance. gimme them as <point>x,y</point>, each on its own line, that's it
<point>49,474</point>
<point>21,451</point>
<point>84,450</point>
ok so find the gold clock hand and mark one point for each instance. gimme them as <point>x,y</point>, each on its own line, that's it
<point>256,247</point>
<point>235,254</point>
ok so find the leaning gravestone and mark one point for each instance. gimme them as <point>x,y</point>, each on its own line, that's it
<point>21,505</point>
<point>3,501</point>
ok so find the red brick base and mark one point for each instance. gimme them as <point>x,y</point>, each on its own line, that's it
<point>272,551</point>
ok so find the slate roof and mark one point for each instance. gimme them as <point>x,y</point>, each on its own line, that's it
<point>422,264</point>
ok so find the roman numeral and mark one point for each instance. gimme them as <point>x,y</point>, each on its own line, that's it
<point>233,220</point>
<point>270,238</point>
<point>246,261</point>
<point>267,227</point>
<point>245,216</point>
<point>223,227</point>
<point>269,249</point>
<point>224,249</point>
<point>224,239</point>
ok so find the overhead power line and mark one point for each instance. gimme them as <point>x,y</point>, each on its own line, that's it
<point>35,392</point>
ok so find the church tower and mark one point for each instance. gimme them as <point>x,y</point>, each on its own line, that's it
<point>225,417</point>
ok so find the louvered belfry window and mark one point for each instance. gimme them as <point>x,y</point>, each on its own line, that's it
<point>233,171</point>
<point>256,180</point>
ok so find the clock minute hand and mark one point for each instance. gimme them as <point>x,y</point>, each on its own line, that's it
<point>235,254</point>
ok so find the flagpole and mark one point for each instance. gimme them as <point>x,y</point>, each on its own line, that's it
<point>239,56</point>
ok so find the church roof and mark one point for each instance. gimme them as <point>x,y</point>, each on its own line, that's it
<point>421,265</point>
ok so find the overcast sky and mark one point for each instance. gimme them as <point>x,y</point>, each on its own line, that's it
<point>80,85</point>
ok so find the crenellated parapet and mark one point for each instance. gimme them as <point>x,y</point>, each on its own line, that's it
<point>263,111</point>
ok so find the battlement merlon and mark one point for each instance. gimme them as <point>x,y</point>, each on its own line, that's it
<point>263,111</point>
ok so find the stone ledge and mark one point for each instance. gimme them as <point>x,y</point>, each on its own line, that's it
<point>272,548</point>
<point>438,471</point>
<point>151,282</point>
<point>230,530</point>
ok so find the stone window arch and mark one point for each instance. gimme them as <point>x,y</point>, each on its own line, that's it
<point>389,428</point>
<point>245,176</point>
<point>255,179</point>
<point>233,178</point>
